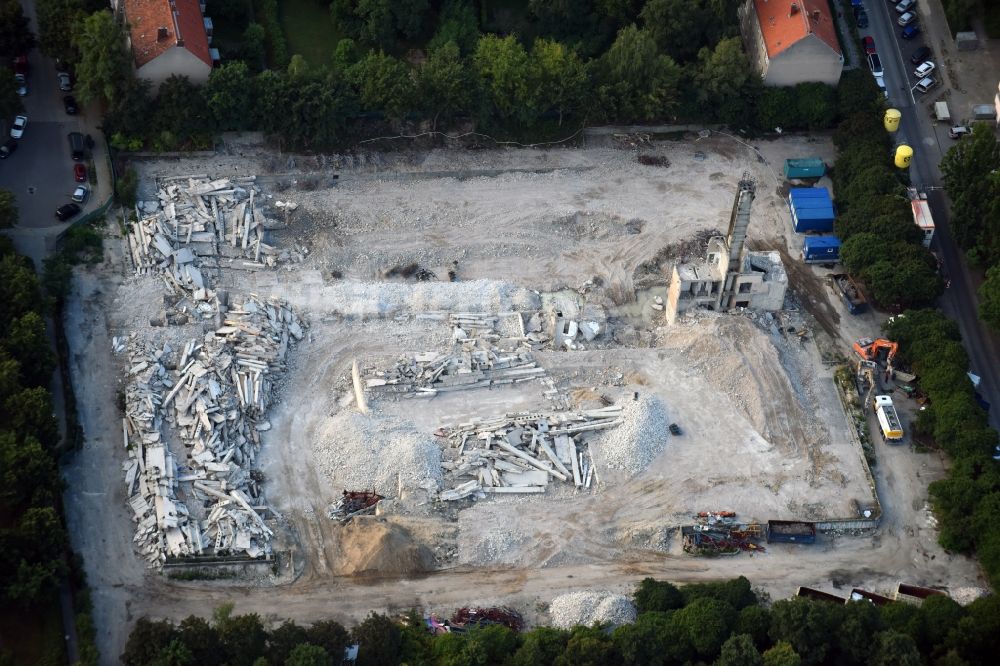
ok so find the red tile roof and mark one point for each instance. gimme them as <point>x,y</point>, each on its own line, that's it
<point>146,17</point>
<point>786,22</point>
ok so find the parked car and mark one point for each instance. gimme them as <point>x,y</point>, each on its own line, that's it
<point>923,69</point>
<point>920,55</point>
<point>17,129</point>
<point>958,131</point>
<point>907,18</point>
<point>80,194</point>
<point>21,64</point>
<point>875,64</point>
<point>66,211</point>
<point>22,84</point>
<point>869,44</point>
<point>910,31</point>
<point>8,147</point>
<point>880,82</point>
<point>925,84</point>
<point>69,103</point>
<point>862,18</point>
<point>675,429</point>
<point>79,173</point>
<point>76,145</point>
<point>65,84</point>
<point>905,6</point>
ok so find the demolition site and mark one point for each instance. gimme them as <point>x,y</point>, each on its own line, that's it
<point>450,364</point>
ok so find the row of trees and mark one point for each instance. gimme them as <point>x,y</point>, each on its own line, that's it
<point>881,244</point>
<point>968,500</point>
<point>714,623</point>
<point>971,170</point>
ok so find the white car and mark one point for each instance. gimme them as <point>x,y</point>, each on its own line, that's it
<point>880,82</point>
<point>17,129</point>
<point>925,84</point>
<point>22,84</point>
<point>80,194</point>
<point>65,84</point>
<point>907,18</point>
<point>905,6</point>
<point>923,69</point>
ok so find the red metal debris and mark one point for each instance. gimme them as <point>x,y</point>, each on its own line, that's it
<point>508,617</point>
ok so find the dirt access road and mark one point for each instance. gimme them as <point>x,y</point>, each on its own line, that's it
<point>544,221</point>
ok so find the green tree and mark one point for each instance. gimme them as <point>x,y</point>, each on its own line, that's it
<point>35,548</point>
<point>19,290</point>
<point>16,37</point>
<point>755,621</point>
<point>282,640</point>
<point>892,648</point>
<point>10,102</point>
<point>380,641</point>
<point>201,640</point>
<point>147,640</point>
<point>808,626</point>
<point>776,108</point>
<point>26,341</point>
<point>307,654</point>
<point>29,413</point>
<point>104,65</point>
<point>857,94</point>
<point>229,93</point>
<point>56,21</point>
<point>8,209</point>
<point>182,117</point>
<point>635,81</point>
<point>654,638</point>
<point>722,71</point>
<point>329,635</point>
<point>739,650</point>
<point>989,298</point>
<point>243,637</point>
<point>253,48</point>
<point>28,475</point>
<point>676,25</point>
<point>708,623</point>
<point>560,73</point>
<point>969,170</point>
<point>736,592</point>
<point>485,645</point>
<point>816,106</point>
<point>297,67</point>
<point>782,654</point>
<point>588,646</point>
<point>904,283</point>
<point>445,84</point>
<point>457,24</point>
<point>384,84</point>
<point>655,595</point>
<point>175,654</point>
<point>502,65</point>
<point>541,645</point>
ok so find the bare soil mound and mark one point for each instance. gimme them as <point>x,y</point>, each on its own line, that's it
<point>373,547</point>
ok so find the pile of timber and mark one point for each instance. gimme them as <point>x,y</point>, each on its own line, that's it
<point>209,401</point>
<point>522,452</point>
<point>488,350</point>
<point>200,218</point>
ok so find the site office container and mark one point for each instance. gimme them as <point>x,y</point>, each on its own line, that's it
<point>821,249</point>
<point>809,167</point>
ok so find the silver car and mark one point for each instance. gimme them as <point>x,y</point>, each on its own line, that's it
<point>17,129</point>
<point>65,84</point>
<point>80,194</point>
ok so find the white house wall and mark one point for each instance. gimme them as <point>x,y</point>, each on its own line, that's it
<point>809,59</point>
<point>176,60</point>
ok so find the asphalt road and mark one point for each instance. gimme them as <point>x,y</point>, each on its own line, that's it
<point>929,142</point>
<point>40,172</point>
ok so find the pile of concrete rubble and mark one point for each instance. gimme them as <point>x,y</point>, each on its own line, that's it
<point>211,398</point>
<point>488,350</point>
<point>519,453</point>
<point>196,218</point>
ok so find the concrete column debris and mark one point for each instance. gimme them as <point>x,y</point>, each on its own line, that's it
<point>193,432</point>
<point>521,452</point>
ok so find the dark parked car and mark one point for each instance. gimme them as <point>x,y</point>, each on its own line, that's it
<point>76,145</point>
<point>67,211</point>
<point>910,31</point>
<point>69,102</point>
<point>8,147</point>
<point>675,429</point>
<point>862,19</point>
<point>920,55</point>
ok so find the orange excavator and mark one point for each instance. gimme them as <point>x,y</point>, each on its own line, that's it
<point>872,350</point>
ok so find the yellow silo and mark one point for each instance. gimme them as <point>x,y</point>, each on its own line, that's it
<point>891,119</point>
<point>903,156</point>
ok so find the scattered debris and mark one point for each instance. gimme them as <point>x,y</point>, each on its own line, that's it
<point>481,617</point>
<point>718,533</point>
<point>518,453</point>
<point>214,403</point>
<point>354,503</point>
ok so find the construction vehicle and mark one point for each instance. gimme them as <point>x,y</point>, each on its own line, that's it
<point>871,350</point>
<point>867,379</point>
<point>888,420</point>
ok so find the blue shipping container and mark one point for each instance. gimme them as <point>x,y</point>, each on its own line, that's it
<point>812,219</point>
<point>808,192</point>
<point>821,249</point>
<point>815,202</point>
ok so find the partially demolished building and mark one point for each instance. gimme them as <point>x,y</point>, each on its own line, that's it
<point>729,277</point>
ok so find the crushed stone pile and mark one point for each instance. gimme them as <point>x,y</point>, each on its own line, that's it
<point>642,435</point>
<point>359,452</point>
<point>587,608</point>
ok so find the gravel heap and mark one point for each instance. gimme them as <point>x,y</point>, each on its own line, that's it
<point>586,608</point>
<point>359,452</point>
<point>640,438</point>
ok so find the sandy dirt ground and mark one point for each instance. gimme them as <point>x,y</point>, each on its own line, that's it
<point>763,432</point>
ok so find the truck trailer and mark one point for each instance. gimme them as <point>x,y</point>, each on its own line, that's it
<point>888,420</point>
<point>922,215</point>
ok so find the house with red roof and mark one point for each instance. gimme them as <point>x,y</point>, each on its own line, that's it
<point>792,41</point>
<point>169,37</point>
